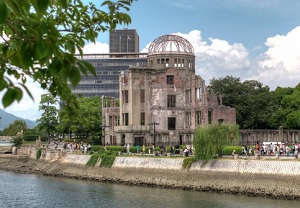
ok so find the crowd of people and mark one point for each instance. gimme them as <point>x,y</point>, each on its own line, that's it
<point>272,149</point>
<point>77,146</point>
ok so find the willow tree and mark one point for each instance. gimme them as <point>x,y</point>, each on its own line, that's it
<point>209,140</point>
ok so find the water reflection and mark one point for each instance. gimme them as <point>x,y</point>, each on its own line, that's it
<point>22,190</point>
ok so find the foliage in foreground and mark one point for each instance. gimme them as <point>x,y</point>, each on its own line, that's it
<point>209,140</point>
<point>39,39</point>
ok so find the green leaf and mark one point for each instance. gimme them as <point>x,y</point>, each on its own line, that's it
<point>42,5</point>
<point>55,67</point>
<point>42,50</point>
<point>63,3</point>
<point>26,55</point>
<point>74,76</point>
<point>3,84</point>
<point>19,94</point>
<point>9,97</point>
<point>88,66</point>
<point>3,11</point>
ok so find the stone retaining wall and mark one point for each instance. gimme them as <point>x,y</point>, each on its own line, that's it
<point>153,163</point>
<point>75,159</point>
<point>251,166</point>
<point>260,166</point>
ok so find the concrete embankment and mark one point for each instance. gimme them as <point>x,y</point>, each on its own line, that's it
<point>274,179</point>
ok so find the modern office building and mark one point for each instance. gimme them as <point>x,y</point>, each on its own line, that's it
<point>124,53</point>
<point>124,41</point>
<point>163,102</point>
<point>106,83</point>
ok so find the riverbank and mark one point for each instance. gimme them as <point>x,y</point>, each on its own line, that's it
<point>276,186</point>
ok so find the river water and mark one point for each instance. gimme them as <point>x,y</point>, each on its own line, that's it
<point>30,191</point>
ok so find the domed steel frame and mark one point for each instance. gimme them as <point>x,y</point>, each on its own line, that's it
<point>172,44</point>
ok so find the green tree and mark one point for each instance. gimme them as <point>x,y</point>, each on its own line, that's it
<point>279,107</point>
<point>250,98</point>
<point>209,140</point>
<point>34,134</point>
<point>38,39</point>
<point>86,122</point>
<point>49,118</point>
<point>291,106</point>
<point>17,127</point>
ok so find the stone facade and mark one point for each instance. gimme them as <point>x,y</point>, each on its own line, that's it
<point>163,103</point>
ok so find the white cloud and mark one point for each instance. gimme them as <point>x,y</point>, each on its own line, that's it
<point>92,48</point>
<point>280,64</point>
<point>218,58</point>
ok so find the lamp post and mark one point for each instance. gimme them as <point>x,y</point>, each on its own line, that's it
<point>0,124</point>
<point>48,129</point>
<point>154,132</point>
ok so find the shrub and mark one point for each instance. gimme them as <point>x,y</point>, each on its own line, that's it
<point>17,140</point>
<point>187,162</point>
<point>115,148</point>
<point>97,148</point>
<point>38,153</point>
<point>227,150</point>
<point>107,160</point>
<point>93,160</point>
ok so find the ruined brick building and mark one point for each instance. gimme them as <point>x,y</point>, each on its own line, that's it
<point>163,102</point>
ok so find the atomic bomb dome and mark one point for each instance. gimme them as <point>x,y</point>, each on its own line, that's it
<point>164,102</point>
<point>171,44</point>
<point>171,51</point>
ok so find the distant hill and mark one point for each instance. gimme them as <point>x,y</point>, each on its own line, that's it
<point>8,118</point>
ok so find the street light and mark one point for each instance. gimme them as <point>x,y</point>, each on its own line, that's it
<point>48,130</point>
<point>154,124</point>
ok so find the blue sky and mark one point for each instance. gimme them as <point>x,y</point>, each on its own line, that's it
<point>249,22</point>
<point>250,39</point>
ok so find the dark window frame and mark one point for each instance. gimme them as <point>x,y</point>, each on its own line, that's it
<point>142,96</point>
<point>171,101</point>
<point>170,79</point>
<point>171,123</point>
<point>142,118</point>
